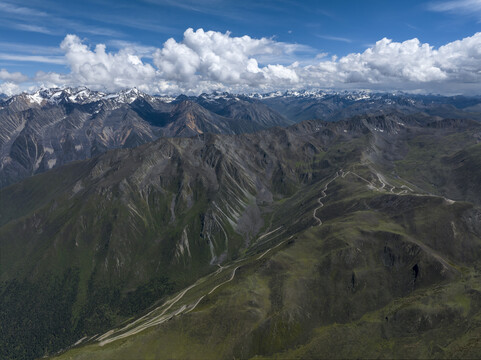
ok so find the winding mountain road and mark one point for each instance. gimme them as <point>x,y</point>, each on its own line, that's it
<point>167,311</point>
<point>323,195</point>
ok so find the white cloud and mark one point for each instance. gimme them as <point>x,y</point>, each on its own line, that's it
<point>9,88</point>
<point>15,77</point>
<point>335,38</point>
<point>9,82</point>
<point>53,79</point>
<point>466,9</point>
<point>21,11</point>
<point>135,48</point>
<point>209,60</point>
<point>33,58</point>
<point>409,61</point>
<point>29,48</point>
<point>406,65</point>
<point>461,6</point>
<point>33,28</point>
<point>220,58</point>
<point>100,69</point>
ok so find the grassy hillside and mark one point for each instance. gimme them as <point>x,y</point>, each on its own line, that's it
<point>371,281</point>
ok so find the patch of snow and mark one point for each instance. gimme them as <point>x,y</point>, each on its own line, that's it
<point>51,163</point>
<point>35,98</point>
<point>166,99</point>
<point>37,163</point>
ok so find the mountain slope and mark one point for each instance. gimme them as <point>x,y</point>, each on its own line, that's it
<point>107,230</point>
<point>332,106</point>
<point>241,107</point>
<point>365,283</point>
<point>53,127</point>
<point>252,244</point>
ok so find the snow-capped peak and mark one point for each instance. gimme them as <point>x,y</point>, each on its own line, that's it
<point>315,94</point>
<point>35,98</point>
<point>290,93</point>
<point>80,95</point>
<point>127,96</point>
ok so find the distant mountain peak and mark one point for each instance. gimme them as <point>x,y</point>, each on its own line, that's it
<point>313,93</point>
<point>80,95</point>
<point>130,95</point>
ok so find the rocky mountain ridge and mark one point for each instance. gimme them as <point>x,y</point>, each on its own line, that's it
<point>48,128</point>
<point>51,127</point>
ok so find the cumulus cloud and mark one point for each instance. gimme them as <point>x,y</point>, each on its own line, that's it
<point>203,61</point>
<point>9,88</point>
<point>220,58</point>
<point>100,69</point>
<point>403,65</point>
<point>10,82</point>
<point>15,77</point>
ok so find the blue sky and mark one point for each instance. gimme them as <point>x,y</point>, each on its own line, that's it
<point>32,31</point>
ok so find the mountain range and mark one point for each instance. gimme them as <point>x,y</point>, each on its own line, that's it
<point>52,127</point>
<point>222,226</point>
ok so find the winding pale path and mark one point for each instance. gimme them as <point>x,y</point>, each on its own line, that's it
<point>149,320</point>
